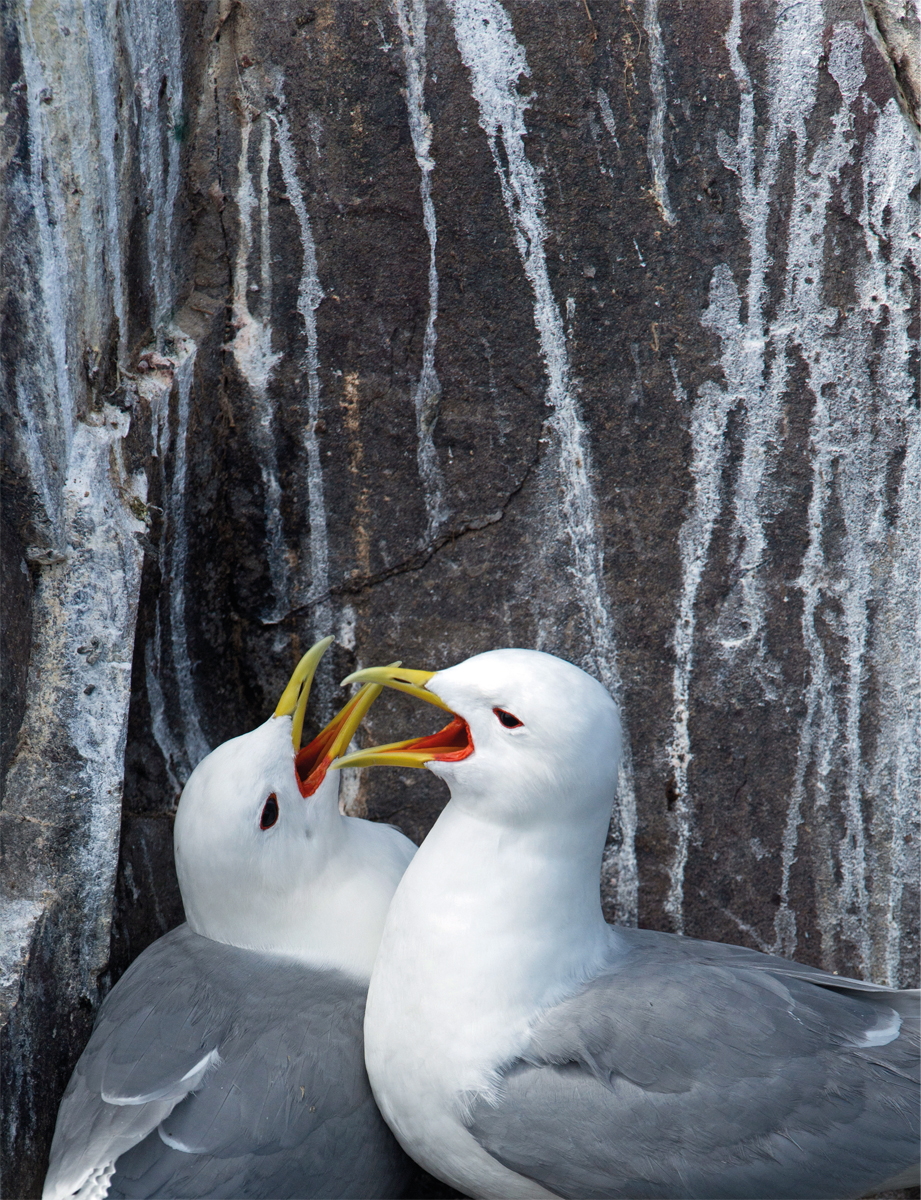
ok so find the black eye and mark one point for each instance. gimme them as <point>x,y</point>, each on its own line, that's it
<point>507,719</point>
<point>269,812</point>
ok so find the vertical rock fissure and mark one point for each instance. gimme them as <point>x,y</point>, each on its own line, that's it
<point>154,41</point>
<point>100,39</point>
<point>40,412</point>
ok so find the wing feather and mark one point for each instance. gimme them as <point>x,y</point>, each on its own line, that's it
<point>690,1069</point>
<point>214,1071</point>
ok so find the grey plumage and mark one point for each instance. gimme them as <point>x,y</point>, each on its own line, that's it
<point>691,1069</point>
<point>216,1071</point>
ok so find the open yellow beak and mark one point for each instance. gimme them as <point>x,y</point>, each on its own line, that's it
<point>312,763</point>
<point>447,745</point>
<point>294,698</point>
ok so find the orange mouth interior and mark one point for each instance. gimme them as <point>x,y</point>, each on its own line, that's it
<point>450,744</point>
<point>312,761</point>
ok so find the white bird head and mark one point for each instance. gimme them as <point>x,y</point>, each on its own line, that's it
<point>258,833</point>
<point>534,739</point>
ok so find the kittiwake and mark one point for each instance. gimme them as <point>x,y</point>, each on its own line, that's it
<point>227,1061</point>
<point>519,1046</point>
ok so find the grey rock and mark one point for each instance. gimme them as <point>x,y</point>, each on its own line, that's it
<point>588,328</point>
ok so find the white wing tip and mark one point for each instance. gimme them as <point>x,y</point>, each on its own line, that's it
<point>94,1187</point>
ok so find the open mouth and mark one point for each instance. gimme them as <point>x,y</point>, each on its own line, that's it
<point>313,760</point>
<point>451,744</point>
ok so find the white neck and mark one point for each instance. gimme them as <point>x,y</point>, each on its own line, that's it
<point>333,918</point>
<point>489,925</point>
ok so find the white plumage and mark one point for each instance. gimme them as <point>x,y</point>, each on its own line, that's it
<point>228,1058</point>
<point>519,1046</point>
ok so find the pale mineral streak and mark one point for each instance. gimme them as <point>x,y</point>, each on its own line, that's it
<point>654,278</point>
<point>496,62</point>
<point>73,420</point>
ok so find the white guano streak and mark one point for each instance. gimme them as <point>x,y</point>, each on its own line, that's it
<point>310,294</point>
<point>655,142</point>
<point>80,667</point>
<point>194,742</point>
<point>708,454</point>
<point>154,42</point>
<point>880,551</point>
<point>155,388</point>
<point>252,346</point>
<point>893,778</point>
<point>183,750</point>
<point>607,115</point>
<point>98,590</point>
<point>42,408</point>
<point>852,448</point>
<point>411,20</point>
<point>495,61</point>
<point>791,85</point>
<point>848,443</point>
<point>177,771</point>
<point>743,363</point>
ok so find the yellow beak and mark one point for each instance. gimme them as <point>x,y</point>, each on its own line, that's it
<point>312,763</point>
<point>294,697</point>
<point>394,676</point>
<point>447,745</point>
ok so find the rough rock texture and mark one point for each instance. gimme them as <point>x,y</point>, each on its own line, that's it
<point>92,181</point>
<point>588,326</point>
<point>895,27</point>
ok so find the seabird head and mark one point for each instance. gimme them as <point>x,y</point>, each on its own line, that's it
<point>528,728</point>
<point>258,830</point>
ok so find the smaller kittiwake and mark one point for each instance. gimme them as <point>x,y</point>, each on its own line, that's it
<point>518,1046</point>
<point>227,1061</point>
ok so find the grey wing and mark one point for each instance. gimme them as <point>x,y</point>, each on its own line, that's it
<point>905,1001</point>
<point>214,1071</point>
<point>680,1074</point>
<point>144,1056</point>
<point>288,1112</point>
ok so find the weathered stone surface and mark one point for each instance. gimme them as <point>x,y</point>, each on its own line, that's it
<point>91,181</point>
<point>587,327</point>
<point>895,27</point>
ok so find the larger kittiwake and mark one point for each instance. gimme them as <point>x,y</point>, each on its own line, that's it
<point>227,1061</point>
<point>519,1046</point>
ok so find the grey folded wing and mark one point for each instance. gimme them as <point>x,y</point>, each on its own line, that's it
<point>690,1070</point>
<point>217,1071</point>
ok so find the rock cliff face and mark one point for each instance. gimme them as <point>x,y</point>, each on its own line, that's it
<point>590,327</point>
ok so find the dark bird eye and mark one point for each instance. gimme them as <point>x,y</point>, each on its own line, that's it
<point>269,812</point>
<point>507,719</point>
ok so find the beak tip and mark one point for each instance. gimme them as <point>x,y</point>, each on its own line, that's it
<point>294,697</point>
<point>369,674</point>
